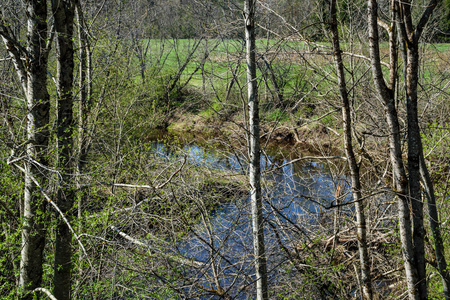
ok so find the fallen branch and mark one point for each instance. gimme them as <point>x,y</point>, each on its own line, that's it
<point>45,291</point>
<point>174,257</point>
<point>143,186</point>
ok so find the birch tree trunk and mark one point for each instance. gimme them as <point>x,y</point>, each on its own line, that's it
<point>255,153</point>
<point>353,165</point>
<point>33,232</point>
<point>84,104</point>
<point>85,88</point>
<point>63,12</point>
<point>31,66</point>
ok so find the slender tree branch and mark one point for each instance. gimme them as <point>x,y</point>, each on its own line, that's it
<point>49,200</point>
<point>185,261</point>
<point>45,291</point>
<point>424,19</point>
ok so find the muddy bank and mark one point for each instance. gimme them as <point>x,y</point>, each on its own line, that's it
<point>311,138</point>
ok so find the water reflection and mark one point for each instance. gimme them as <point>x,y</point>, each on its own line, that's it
<point>295,199</point>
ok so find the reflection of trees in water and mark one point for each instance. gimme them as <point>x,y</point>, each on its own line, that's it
<point>223,239</point>
<point>214,260</point>
<point>301,220</point>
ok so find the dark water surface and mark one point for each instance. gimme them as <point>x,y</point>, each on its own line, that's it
<point>294,199</point>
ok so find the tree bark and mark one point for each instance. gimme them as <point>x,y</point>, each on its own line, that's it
<point>414,150</point>
<point>84,105</point>
<point>255,154</point>
<point>409,41</point>
<point>353,165</point>
<point>399,174</point>
<point>63,13</point>
<point>411,61</point>
<point>85,87</point>
<point>408,189</point>
<point>435,227</point>
<point>32,73</point>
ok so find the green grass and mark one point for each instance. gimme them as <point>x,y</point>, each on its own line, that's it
<point>226,60</point>
<point>439,47</point>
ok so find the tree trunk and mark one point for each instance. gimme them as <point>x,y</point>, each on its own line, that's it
<point>63,12</point>
<point>415,194</point>
<point>435,227</point>
<point>84,105</point>
<point>254,154</point>
<point>400,179</point>
<point>33,75</point>
<point>409,41</point>
<point>84,85</point>
<point>353,165</point>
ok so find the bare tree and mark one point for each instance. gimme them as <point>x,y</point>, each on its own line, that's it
<point>409,36</point>
<point>353,165</point>
<point>255,153</point>
<point>400,179</point>
<point>407,187</point>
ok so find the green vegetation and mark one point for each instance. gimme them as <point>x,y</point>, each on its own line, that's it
<point>180,68</point>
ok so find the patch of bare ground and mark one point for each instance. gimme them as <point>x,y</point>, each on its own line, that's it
<point>315,139</point>
<point>186,122</point>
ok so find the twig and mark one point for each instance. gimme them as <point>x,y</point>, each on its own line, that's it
<point>307,158</point>
<point>364,57</point>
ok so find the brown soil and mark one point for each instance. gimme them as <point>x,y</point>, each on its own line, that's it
<point>316,139</point>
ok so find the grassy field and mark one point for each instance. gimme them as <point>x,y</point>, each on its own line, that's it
<point>294,76</point>
<point>216,63</point>
<point>218,58</point>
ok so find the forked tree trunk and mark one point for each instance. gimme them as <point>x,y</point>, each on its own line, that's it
<point>409,41</point>
<point>386,95</point>
<point>63,13</point>
<point>353,165</point>
<point>32,74</point>
<point>408,189</point>
<point>414,150</point>
<point>254,153</point>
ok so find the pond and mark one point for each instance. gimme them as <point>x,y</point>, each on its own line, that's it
<point>295,198</point>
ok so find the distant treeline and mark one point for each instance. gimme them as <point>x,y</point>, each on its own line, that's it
<point>285,18</point>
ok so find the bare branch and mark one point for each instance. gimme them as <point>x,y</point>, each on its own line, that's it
<point>49,200</point>
<point>143,186</point>
<point>185,261</point>
<point>45,291</point>
<point>424,19</point>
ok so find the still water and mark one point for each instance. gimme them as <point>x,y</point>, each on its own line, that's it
<point>295,198</point>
